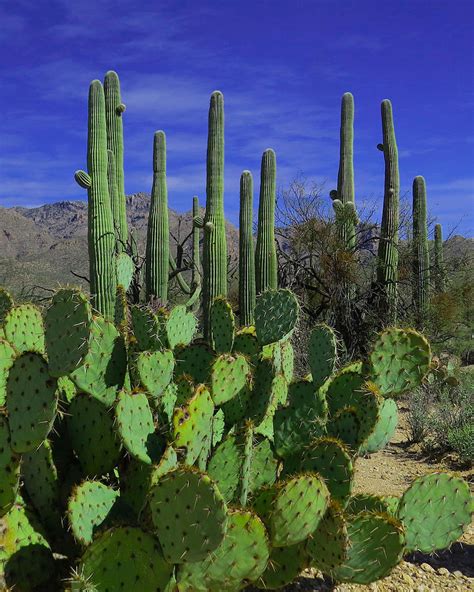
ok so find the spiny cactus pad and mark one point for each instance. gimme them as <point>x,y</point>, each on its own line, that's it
<point>195,361</point>
<point>399,360</point>
<point>229,375</point>
<point>276,315</point>
<point>9,469</point>
<point>222,325</point>
<point>126,558</point>
<point>344,389</point>
<point>181,326</point>
<point>364,502</point>
<point>31,401</point>
<point>322,353</point>
<point>148,328</point>
<point>88,507</point>
<point>23,327</point>
<point>67,331</point>
<point>155,370</point>
<point>345,425</point>
<point>246,342</point>
<point>434,511</point>
<point>7,357</point>
<point>225,467</point>
<point>384,428</point>
<point>189,515</point>
<point>6,303</point>
<point>327,546</point>
<point>125,270</point>
<point>284,565</point>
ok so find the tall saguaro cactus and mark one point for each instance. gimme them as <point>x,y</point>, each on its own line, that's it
<point>265,250</point>
<point>387,257</point>
<point>246,251</point>
<point>101,237</point>
<point>421,257</point>
<point>439,270</point>
<point>214,246</point>
<point>157,242</point>
<point>114,108</point>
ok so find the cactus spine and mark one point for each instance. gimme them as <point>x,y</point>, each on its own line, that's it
<point>157,244</point>
<point>214,246</point>
<point>421,257</point>
<point>114,109</point>
<point>265,251</point>
<point>387,257</point>
<point>440,277</point>
<point>246,251</point>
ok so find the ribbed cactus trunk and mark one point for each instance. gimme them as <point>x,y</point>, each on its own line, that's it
<point>387,257</point>
<point>421,257</point>
<point>101,237</point>
<point>265,250</point>
<point>214,246</point>
<point>158,235</point>
<point>246,251</point>
<point>439,269</point>
<point>114,110</point>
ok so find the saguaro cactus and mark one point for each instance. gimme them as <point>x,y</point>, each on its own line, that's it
<point>387,260</point>
<point>215,246</point>
<point>157,244</point>
<point>265,251</point>
<point>101,237</point>
<point>439,270</point>
<point>246,251</point>
<point>421,257</point>
<point>114,110</point>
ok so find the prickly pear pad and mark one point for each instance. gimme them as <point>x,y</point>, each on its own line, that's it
<point>287,360</point>
<point>284,565</point>
<point>103,368</point>
<point>364,502</point>
<point>195,361</point>
<point>192,424</point>
<point>384,428</point>
<point>229,375</point>
<point>322,353</point>
<point>264,466</point>
<point>9,469</point>
<point>67,331</point>
<point>399,360</point>
<point>345,425</point>
<point>7,357</point>
<point>92,433</point>
<point>434,510</point>
<point>6,303</point>
<point>31,401</point>
<point>344,389</point>
<point>88,507</point>
<point>376,545</point>
<point>180,326</point>
<point>189,515</point>
<point>222,326</point>
<point>241,558</point>
<point>225,467</point>
<point>23,327</point>
<point>246,342</point>
<point>331,459</point>
<point>126,558</point>
<point>125,270</point>
<point>155,370</point>
<point>148,329</point>
<point>327,546</point>
<point>276,315</point>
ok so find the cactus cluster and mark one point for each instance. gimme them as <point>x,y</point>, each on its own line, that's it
<point>145,458</point>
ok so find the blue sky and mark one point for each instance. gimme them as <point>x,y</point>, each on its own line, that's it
<point>282,66</point>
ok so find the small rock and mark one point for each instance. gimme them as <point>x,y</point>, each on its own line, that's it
<point>407,579</point>
<point>443,571</point>
<point>427,567</point>
<point>458,574</point>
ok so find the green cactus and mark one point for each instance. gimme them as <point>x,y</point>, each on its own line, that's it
<point>327,548</point>
<point>384,428</point>
<point>155,371</point>
<point>125,270</point>
<point>180,327</point>
<point>229,376</point>
<point>6,303</point>
<point>387,256</point>
<point>194,360</point>
<point>222,327</point>
<point>439,268</point>
<point>246,251</point>
<point>284,565</point>
<point>7,357</point>
<point>24,329</point>
<point>322,354</point>
<point>114,109</point>
<point>214,255</point>
<point>266,267</point>
<point>276,315</point>
<point>421,256</point>
<point>9,469</point>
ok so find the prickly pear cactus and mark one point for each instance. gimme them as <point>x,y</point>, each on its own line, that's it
<point>23,328</point>
<point>125,270</point>
<point>181,326</point>
<point>322,354</point>
<point>222,325</point>
<point>9,469</point>
<point>276,315</point>
<point>229,376</point>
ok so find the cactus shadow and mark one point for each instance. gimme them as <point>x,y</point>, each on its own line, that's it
<point>459,557</point>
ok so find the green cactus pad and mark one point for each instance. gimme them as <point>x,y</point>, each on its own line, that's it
<point>284,565</point>
<point>328,545</point>
<point>155,370</point>
<point>322,353</point>
<point>192,424</point>
<point>67,331</point>
<point>31,402</point>
<point>181,326</point>
<point>121,312</point>
<point>241,558</point>
<point>6,304</point>
<point>368,408</point>
<point>434,510</point>
<point>264,466</point>
<point>229,376</point>
<point>92,434</point>
<point>237,409</point>
<point>165,406</point>
<point>195,361</point>
<point>218,427</point>
<point>24,329</point>
<point>7,357</point>
<point>345,425</point>
<point>9,469</point>
<point>135,427</point>
<point>103,368</point>
<point>331,459</point>
<point>276,315</point>
<point>246,342</point>
<point>364,502</point>
<point>189,515</point>
<point>148,328</point>
<point>392,502</point>
<point>89,505</point>
<point>126,558</point>
<point>222,326</point>
<point>66,390</point>
<point>125,270</point>
<point>399,360</point>
<point>27,559</point>
<point>384,429</point>
<point>287,360</point>
<point>265,398</point>
<point>225,467</point>
<point>344,389</point>
<point>376,546</point>
<point>303,393</point>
